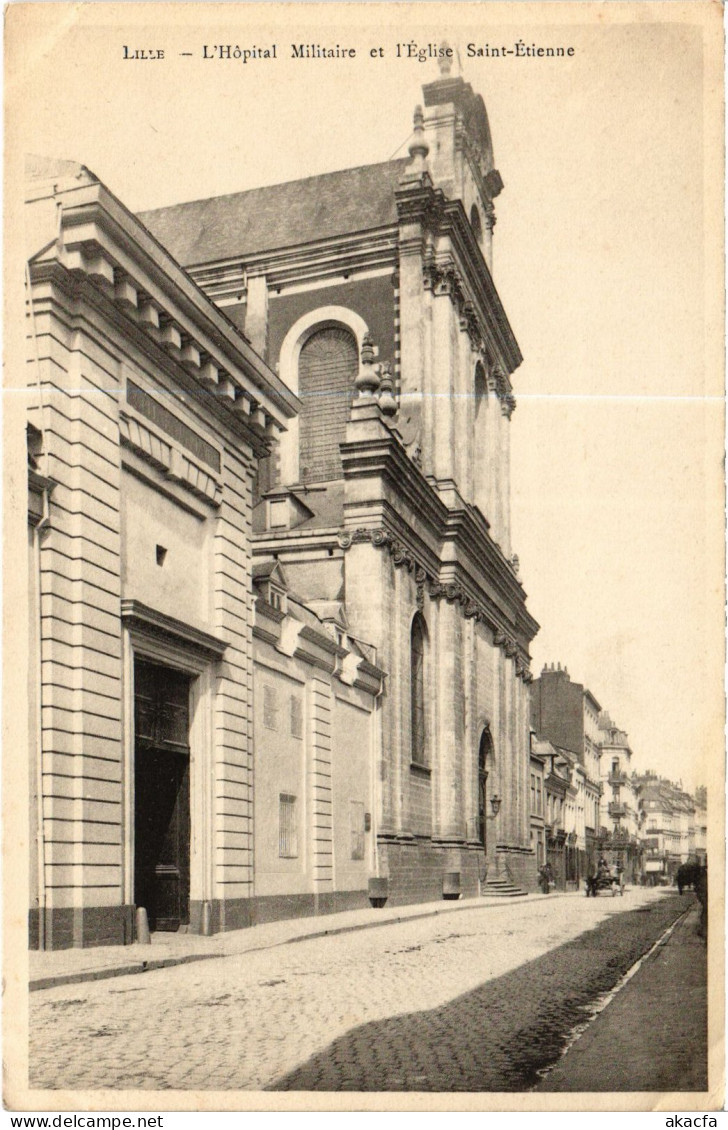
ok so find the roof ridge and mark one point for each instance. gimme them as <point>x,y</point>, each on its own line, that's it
<point>269,187</point>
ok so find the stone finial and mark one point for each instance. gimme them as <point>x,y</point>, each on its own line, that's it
<point>444,61</point>
<point>387,402</point>
<point>367,381</point>
<point>418,147</point>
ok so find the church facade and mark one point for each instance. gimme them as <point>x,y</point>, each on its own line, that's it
<point>279,647</point>
<point>387,502</point>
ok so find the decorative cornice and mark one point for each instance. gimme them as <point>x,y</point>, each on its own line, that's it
<point>175,465</point>
<point>152,622</point>
<point>429,585</point>
<point>481,309</point>
<point>103,242</point>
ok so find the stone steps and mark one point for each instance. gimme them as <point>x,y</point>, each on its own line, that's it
<point>502,888</point>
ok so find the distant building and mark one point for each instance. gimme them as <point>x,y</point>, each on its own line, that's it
<point>619,808</point>
<point>567,715</point>
<point>669,826</point>
<point>537,807</point>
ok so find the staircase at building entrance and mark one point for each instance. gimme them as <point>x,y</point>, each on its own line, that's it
<point>501,888</point>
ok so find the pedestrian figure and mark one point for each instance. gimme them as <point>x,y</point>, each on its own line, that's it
<point>701,890</point>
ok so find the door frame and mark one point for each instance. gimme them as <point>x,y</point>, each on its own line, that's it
<point>137,643</point>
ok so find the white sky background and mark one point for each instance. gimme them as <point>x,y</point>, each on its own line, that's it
<point>599,259</point>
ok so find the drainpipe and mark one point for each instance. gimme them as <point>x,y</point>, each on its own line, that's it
<point>38,659</point>
<point>376,790</point>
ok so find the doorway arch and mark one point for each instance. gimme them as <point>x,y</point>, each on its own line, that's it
<point>485,764</point>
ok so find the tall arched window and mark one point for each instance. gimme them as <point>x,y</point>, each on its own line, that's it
<point>480,387</point>
<point>418,638</point>
<point>327,367</point>
<point>485,759</point>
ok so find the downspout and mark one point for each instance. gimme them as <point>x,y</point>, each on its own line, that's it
<point>36,580</point>
<point>376,776</point>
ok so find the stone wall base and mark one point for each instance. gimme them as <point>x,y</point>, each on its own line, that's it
<point>81,927</point>
<point>417,869</point>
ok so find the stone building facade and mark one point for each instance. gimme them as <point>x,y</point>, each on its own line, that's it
<point>147,414</point>
<point>386,503</point>
<point>279,644</point>
<point>567,714</point>
<point>620,809</point>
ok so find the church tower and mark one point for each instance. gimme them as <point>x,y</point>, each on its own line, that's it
<point>457,348</point>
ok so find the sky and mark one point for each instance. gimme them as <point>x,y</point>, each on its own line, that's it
<point>602,257</point>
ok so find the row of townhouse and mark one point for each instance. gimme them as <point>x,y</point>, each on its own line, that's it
<point>587,801</point>
<point>675,826</point>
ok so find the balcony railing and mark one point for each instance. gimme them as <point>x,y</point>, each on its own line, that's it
<point>616,809</point>
<point>618,778</point>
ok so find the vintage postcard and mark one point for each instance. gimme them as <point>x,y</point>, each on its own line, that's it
<point>364,557</point>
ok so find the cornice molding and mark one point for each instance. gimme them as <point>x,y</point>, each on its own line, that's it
<point>468,279</point>
<point>152,622</point>
<point>429,585</point>
<point>214,395</point>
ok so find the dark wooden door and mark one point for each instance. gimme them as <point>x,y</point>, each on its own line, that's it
<point>162,795</point>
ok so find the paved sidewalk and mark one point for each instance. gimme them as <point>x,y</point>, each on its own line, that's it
<point>65,967</point>
<point>653,1035</point>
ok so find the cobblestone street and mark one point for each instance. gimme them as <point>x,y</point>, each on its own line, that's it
<point>480,999</point>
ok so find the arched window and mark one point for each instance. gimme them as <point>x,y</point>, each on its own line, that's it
<point>480,387</point>
<point>476,224</point>
<point>327,367</point>
<point>418,638</point>
<point>485,759</point>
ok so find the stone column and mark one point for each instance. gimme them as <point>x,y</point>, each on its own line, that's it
<point>506,478</point>
<point>256,314</point>
<point>442,386</point>
<point>450,818</point>
<point>414,314</point>
<point>319,786</point>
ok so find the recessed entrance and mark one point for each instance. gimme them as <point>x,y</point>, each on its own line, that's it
<point>162,794</point>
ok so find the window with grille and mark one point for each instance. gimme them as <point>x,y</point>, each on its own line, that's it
<point>287,827</point>
<point>296,716</point>
<point>327,367</point>
<point>417,690</point>
<point>356,823</point>
<point>270,708</point>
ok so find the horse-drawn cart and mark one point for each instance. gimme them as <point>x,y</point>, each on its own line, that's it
<point>604,881</point>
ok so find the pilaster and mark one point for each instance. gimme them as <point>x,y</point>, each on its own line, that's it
<point>320,800</point>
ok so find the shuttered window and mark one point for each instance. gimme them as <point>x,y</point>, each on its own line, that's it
<point>270,708</point>
<point>287,827</point>
<point>326,370</point>
<point>356,824</point>
<point>296,716</point>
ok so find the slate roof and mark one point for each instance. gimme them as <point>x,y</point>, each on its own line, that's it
<point>278,216</point>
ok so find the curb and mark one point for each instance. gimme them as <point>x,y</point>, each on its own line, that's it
<point>140,966</point>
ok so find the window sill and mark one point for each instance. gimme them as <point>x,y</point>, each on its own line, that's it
<point>418,770</point>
